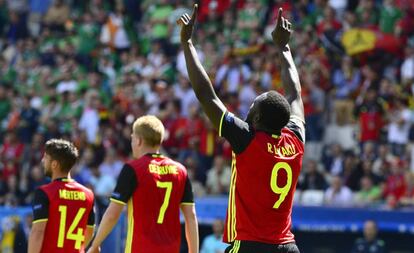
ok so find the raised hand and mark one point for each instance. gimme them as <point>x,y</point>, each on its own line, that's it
<point>282,31</point>
<point>187,24</point>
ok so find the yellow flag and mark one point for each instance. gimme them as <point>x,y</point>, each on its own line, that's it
<point>358,40</point>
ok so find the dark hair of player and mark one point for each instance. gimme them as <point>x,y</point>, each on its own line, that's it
<point>62,151</point>
<point>270,112</point>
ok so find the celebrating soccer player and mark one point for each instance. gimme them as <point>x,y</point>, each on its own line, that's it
<point>268,149</point>
<point>155,188</point>
<point>63,216</point>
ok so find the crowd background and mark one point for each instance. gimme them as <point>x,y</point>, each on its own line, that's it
<point>84,70</point>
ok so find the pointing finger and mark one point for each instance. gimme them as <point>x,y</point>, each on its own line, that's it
<point>279,15</point>
<point>194,15</point>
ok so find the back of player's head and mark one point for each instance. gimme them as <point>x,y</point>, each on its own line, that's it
<point>62,151</point>
<point>150,129</point>
<point>270,112</point>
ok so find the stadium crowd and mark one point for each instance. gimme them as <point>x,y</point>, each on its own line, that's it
<point>84,70</point>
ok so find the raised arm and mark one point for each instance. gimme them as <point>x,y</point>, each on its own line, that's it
<point>199,79</point>
<point>290,78</point>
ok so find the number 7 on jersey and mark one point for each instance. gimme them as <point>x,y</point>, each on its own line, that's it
<point>164,206</point>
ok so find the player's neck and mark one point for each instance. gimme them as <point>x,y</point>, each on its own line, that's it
<point>149,150</point>
<point>58,174</point>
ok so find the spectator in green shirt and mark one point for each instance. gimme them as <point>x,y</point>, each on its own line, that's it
<point>5,105</point>
<point>369,192</point>
<point>389,16</point>
<point>158,17</point>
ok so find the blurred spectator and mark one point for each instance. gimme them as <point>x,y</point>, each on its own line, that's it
<point>14,196</point>
<point>113,33</point>
<point>218,177</point>
<point>232,75</point>
<point>89,121</point>
<point>213,243</point>
<point>57,15</point>
<point>37,8</point>
<point>407,200</point>
<point>314,101</point>
<point>395,186</point>
<point>346,80</point>
<point>312,179</point>
<point>249,18</point>
<point>88,39</point>
<point>389,15</point>
<point>368,193</point>
<point>5,104</point>
<point>185,93</point>
<point>339,6</point>
<point>407,67</point>
<point>12,148</point>
<point>158,19</point>
<point>29,121</point>
<point>334,160</point>
<point>367,13</point>
<point>192,171</point>
<point>399,127</point>
<point>370,114</point>
<point>337,194</point>
<point>17,28</point>
<point>103,186</point>
<point>111,166</point>
<point>383,161</point>
<point>370,243</point>
<point>364,169</point>
<point>189,136</point>
<point>247,94</point>
<point>13,237</point>
<point>37,179</point>
<point>67,83</point>
<point>208,145</point>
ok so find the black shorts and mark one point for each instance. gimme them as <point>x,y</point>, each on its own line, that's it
<point>258,247</point>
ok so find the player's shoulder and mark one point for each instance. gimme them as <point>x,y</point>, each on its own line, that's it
<point>82,188</point>
<point>42,190</point>
<point>46,188</point>
<point>294,129</point>
<point>170,161</point>
<point>136,162</point>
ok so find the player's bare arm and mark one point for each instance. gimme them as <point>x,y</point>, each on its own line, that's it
<point>36,237</point>
<point>199,79</point>
<point>108,222</point>
<point>191,227</point>
<point>290,78</point>
<point>89,234</point>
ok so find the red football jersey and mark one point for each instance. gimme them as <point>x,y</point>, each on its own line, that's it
<point>154,187</point>
<point>68,208</point>
<point>265,171</point>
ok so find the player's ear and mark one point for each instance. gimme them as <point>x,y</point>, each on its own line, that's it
<point>54,164</point>
<point>140,141</point>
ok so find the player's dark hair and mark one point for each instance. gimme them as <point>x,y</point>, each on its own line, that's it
<point>62,151</point>
<point>274,112</point>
